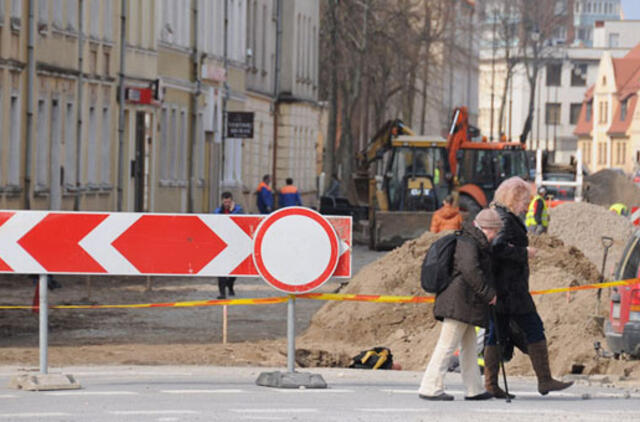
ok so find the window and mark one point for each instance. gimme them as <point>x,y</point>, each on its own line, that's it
<point>623,109</point>
<point>107,62</point>
<point>263,52</point>
<point>173,139</point>
<point>200,150</point>
<point>552,115</point>
<point>621,152</point>
<point>574,113</point>
<point>182,140</point>
<point>579,75</point>
<point>589,112</point>
<point>603,112</point>
<point>43,14</point>
<point>554,71</point>
<point>69,148</point>
<point>94,10</point>
<point>614,40</point>
<point>58,13</point>
<point>42,146</point>
<point>14,141</point>
<point>604,80</point>
<point>602,153</point>
<point>106,148</point>
<point>91,149</point>
<point>72,14</point>
<point>164,144</point>
<point>108,20</point>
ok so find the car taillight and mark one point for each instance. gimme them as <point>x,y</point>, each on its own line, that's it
<point>634,308</point>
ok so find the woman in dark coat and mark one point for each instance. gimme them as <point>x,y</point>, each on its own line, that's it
<point>462,306</point>
<point>511,252</point>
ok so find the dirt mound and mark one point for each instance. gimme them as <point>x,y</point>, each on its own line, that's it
<point>410,330</point>
<point>608,186</point>
<point>582,225</point>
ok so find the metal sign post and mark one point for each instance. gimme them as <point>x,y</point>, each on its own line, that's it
<point>295,250</point>
<point>43,311</point>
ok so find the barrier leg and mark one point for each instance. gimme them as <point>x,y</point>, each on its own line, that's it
<point>44,324</point>
<point>43,380</point>
<point>224,324</point>
<point>291,378</point>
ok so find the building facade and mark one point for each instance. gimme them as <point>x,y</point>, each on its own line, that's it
<point>608,129</point>
<point>69,140</point>
<point>587,12</point>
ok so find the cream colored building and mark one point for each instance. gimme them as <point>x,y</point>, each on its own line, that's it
<point>168,154</point>
<point>608,129</point>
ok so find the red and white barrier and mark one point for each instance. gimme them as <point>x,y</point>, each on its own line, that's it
<point>46,242</point>
<point>635,216</point>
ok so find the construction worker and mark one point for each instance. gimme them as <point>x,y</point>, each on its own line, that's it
<point>446,218</point>
<point>537,220</point>
<point>265,195</point>
<point>289,195</point>
<point>228,207</point>
<point>620,209</point>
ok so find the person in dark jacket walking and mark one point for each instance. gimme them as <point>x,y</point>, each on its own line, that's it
<point>228,207</point>
<point>511,252</point>
<point>462,306</point>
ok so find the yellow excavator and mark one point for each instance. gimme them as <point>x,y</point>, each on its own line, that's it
<point>408,176</point>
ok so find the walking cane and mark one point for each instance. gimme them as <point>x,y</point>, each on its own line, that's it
<point>500,351</point>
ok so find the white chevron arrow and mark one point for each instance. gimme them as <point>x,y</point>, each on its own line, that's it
<point>12,231</point>
<point>239,245</point>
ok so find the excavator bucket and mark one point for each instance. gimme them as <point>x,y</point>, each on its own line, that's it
<point>392,228</point>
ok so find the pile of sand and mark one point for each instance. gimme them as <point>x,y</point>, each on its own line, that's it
<point>582,225</point>
<point>410,330</point>
<point>607,187</point>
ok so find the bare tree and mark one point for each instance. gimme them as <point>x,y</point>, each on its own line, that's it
<point>542,21</point>
<point>330,55</point>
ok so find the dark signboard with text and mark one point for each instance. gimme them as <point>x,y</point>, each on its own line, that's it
<point>240,124</point>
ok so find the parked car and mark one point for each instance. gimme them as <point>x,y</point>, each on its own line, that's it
<point>622,329</point>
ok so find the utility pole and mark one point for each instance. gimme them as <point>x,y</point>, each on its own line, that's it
<point>123,50</point>
<point>225,92</point>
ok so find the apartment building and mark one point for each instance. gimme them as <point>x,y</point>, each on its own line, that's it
<point>69,140</point>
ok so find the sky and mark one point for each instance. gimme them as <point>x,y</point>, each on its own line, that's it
<point>631,9</point>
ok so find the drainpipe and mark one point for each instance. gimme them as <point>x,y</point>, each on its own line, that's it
<point>225,95</point>
<point>194,110</point>
<point>276,91</point>
<point>79,108</point>
<point>123,50</point>
<point>31,71</point>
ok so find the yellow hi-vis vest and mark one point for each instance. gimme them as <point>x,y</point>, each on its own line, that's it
<point>530,221</point>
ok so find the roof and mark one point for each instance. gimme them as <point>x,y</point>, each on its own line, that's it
<point>584,127</point>
<point>619,127</point>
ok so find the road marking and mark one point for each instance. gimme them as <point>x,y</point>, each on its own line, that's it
<point>394,410</point>
<point>172,419</point>
<point>33,415</point>
<point>153,412</point>
<point>594,395</point>
<point>313,390</point>
<point>218,391</point>
<point>265,418</point>
<point>93,393</point>
<point>7,396</point>
<point>275,410</point>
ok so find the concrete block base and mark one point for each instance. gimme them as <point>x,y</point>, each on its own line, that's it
<point>44,382</point>
<point>279,379</point>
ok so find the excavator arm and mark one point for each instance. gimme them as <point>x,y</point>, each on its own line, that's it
<point>381,141</point>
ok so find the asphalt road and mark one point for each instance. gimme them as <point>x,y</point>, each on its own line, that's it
<point>156,393</point>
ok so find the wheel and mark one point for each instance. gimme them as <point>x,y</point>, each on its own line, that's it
<point>469,205</point>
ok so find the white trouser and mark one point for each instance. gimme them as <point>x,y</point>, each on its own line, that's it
<point>453,334</point>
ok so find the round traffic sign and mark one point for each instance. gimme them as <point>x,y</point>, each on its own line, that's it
<point>295,249</point>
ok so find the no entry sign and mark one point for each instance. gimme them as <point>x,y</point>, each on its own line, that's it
<point>296,250</point>
<point>44,242</point>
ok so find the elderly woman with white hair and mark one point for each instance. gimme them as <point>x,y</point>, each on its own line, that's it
<point>511,253</point>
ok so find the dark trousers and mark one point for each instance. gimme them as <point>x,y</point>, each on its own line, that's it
<point>530,324</point>
<point>226,283</point>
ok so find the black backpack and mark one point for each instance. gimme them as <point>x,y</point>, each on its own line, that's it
<point>437,267</point>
